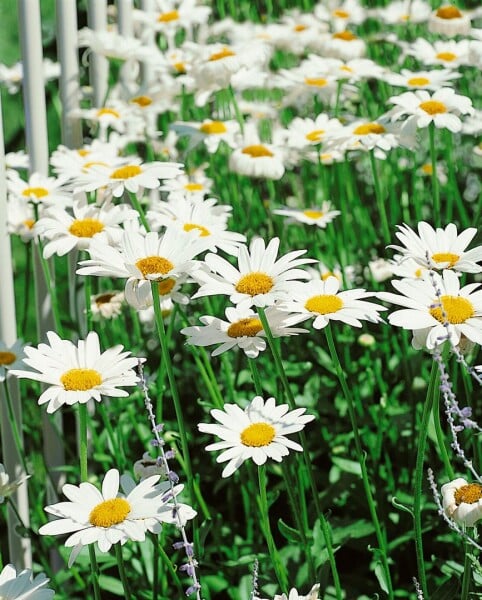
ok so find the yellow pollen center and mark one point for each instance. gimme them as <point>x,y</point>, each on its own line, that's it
<point>248,327</point>
<point>446,257</point>
<point>315,135</point>
<point>299,28</point>
<point>427,169</point>
<point>224,53</point>
<point>142,100</point>
<point>108,112</point>
<point>346,36</point>
<point>80,380</point>
<point>418,273</point>
<point>38,192</point>
<point>404,17</point>
<point>255,283</point>
<point>180,67</point>
<point>448,12</point>
<point>418,81</point>
<point>457,309</point>
<point>325,276</point>
<point>193,187</point>
<point>190,226</point>
<point>369,128</point>
<point>346,69</point>
<point>341,14</point>
<point>126,172</point>
<point>110,512</point>
<point>433,107</point>
<point>257,151</point>
<point>153,265</point>
<point>83,152</point>
<point>214,127</point>
<point>258,435</point>
<point>313,214</point>
<point>7,358</point>
<point>165,286</point>
<point>447,56</point>
<point>86,228</point>
<point>172,15</point>
<point>316,81</point>
<point>104,299</point>
<point>93,163</point>
<point>324,304</point>
<point>470,494</point>
<point>29,223</point>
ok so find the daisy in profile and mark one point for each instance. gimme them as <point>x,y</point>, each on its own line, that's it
<point>449,20</point>
<point>344,45</point>
<point>11,357</point>
<point>259,280</point>
<point>450,54</point>
<point>439,248</point>
<point>458,313</point>
<point>106,305</point>
<point>193,186</point>
<point>255,158</point>
<point>243,329</point>
<point>257,432</point>
<point>401,12</point>
<point>368,135</point>
<point>110,517</point>
<point>422,80</point>
<point>211,132</point>
<point>71,163</point>
<point>304,133</point>
<point>23,585</point>
<point>319,216</point>
<point>323,301</point>
<point>462,501</point>
<point>77,373</point>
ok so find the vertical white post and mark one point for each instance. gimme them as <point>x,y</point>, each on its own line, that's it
<point>124,18</point>
<point>149,38</point>
<point>99,66</point>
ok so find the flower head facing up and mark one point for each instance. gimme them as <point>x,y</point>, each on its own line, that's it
<point>319,216</point>
<point>462,501</point>
<point>23,586</point>
<point>257,432</point>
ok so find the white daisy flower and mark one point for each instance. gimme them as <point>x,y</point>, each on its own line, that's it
<point>243,329</point>
<point>352,70</point>
<point>39,189</point>
<point>340,14</point>
<point>257,432</point>
<point>422,80</point>
<point>344,45</point>
<point>458,314</point>
<point>367,135</point>
<point>447,53</point>
<point>212,133</point>
<point>319,216</point>
<point>117,115</point>
<point>401,12</point>
<point>77,373</point>
<point>462,501</point>
<point>17,160</point>
<point>449,20</point>
<point>439,248</point>
<point>109,517</point>
<point>303,133</point>
<point>323,301</point>
<point>11,357</point>
<point>406,268</point>
<point>380,269</point>
<point>302,83</point>
<point>426,170</point>
<point>255,158</point>
<point>7,487</point>
<point>106,305</point>
<point>23,586</point>
<point>295,595</point>
<point>195,185</point>
<point>71,163</point>
<point>259,280</point>
<point>138,294</point>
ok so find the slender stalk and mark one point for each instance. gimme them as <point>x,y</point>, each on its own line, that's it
<point>467,576</point>
<point>379,198</point>
<point>237,111</point>
<point>122,571</point>
<point>255,375</point>
<point>435,186</point>
<point>14,426</point>
<point>137,205</point>
<point>28,277</point>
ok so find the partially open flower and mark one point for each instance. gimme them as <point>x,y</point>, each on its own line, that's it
<point>462,501</point>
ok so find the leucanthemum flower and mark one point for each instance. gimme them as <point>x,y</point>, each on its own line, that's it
<point>243,329</point>
<point>439,248</point>
<point>295,595</point>
<point>257,432</point>
<point>138,294</point>
<point>449,20</point>
<point>255,158</point>
<point>11,357</point>
<point>462,501</point>
<point>7,487</point>
<point>109,517</point>
<point>259,280</point>
<point>401,12</point>
<point>447,53</point>
<point>319,216</point>
<point>195,185</point>
<point>77,373</point>
<point>23,586</point>
<point>211,132</point>
<point>422,80</point>
<point>323,301</point>
<point>303,133</point>
<point>39,189</point>
<point>344,45</point>
<point>70,163</point>
<point>368,135</point>
<point>106,305</point>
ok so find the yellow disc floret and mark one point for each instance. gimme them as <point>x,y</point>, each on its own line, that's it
<point>369,128</point>
<point>110,512</point>
<point>324,304</point>
<point>86,228</point>
<point>248,327</point>
<point>213,128</point>
<point>126,172</point>
<point>433,107</point>
<point>6,357</point>
<point>38,192</point>
<point>446,257</point>
<point>470,494</point>
<point>454,309</point>
<point>255,283</point>
<point>153,265</point>
<point>258,435</point>
<point>80,380</point>
<point>257,151</point>
<point>448,12</point>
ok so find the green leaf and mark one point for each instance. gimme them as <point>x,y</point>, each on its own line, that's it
<point>348,466</point>
<point>448,590</point>
<point>380,574</point>
<point>111,584</point>
<point>290,533</point>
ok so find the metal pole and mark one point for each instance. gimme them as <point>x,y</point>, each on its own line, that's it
<point>99,66</point>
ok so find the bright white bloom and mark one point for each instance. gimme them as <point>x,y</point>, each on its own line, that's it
<point>368,135</point>
<point>114,45</point>
<point>259,280</point>
<point>255,158</point>
<point>447,53</point>
<point>243,329</point>
<point>11,357</point>
<point>352,70</point>
<point>422,80</point>
<point>77,373</point>
<point>294,595</point>
<point>110,517</point>
<point>344,45</point>
<point>12,77</point>
<point>7,487</point>
<point>196,185</point>
<point>449,20</point>
<point>69,164</point>
<point>380,269</point>
<point>23,586</point>
<point>39,189</point>
<point>20,218</point>
<point>212,133</point>
<point>458,314</point>
<point>106,305</point>
<point>439,248</point>
<point>462,501</point>
<point>406,267</point>
<point>340,14</point>
<point>17,160</point>
<point>117,116</point>
<point>303,133</point>
<point>257,432</point>
<point>319,216</point>
<point>400,12</point>
<point>323,301</point>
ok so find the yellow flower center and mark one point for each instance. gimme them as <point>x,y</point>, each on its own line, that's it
<point>104,299</point>
<point>80,380</point>
<point>369,128</point>
<point>444,257</point>
<point>346,36</point>
<point>180,67</point>
<point>102,112</point>
<point>325,276</point>
<point>257,151</point>
<point>29,223</point>
<point>190,226</point>
<point>258,435</point>
<point>457,310</point>
<point>341,14</point>
<point>404,17</point>
<point>38,192</point>
<point>109,512</point>
<point>315,135</point>
<point>142,100</point>
<point>324,304</point>
<point>447,56</point>
<point>448,12</point>
<point>427,169</point>
<point>470,494</point>
<point>83,152</point>
<point>167,17</point>
<point>248,327</point>
<point>313,214</point>
<point>300,27</point>
<point>316,81</point>
<point>255,283</point>
<point>418,273</point>
<point>193,187</point>
<point>86,228</point>
<point>224,53</point>
<point>433,107</point>
<point>418,81</point>
<point>346,69</point>
<point>213,128</point>
<point>165,286</point>
<point>93,163</point>
<point>153,265</point>
<point>126,172</point>
<point>7,358</point>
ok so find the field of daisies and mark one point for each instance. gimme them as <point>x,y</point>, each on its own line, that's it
<point>241,302</point>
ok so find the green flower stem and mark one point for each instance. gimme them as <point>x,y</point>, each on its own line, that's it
<point>237,111</point>
<point>467,576</point>
<point>137,205</point>
<point>122,571</point>
<point>454,188</point>
<point>256,376</point>
<point>159,550</point>
<point>435,187</point>
<point>28,277</point>
<point>382,543</point>
<point>279,568</point>
<point>444,455</point>
<point>379,198</point>
<point>14,426</point>
<point>51,289</point>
